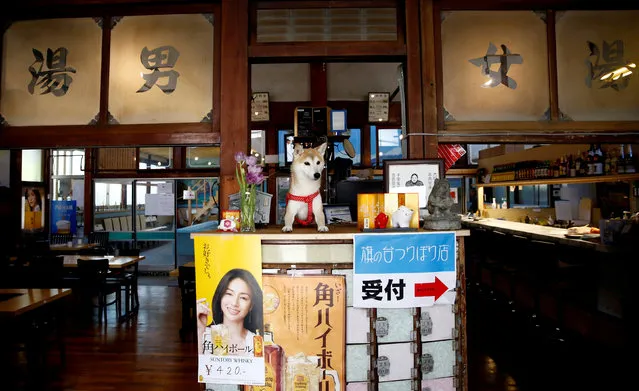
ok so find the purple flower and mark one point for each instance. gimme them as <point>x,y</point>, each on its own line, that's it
<point>240,157</point>
<point>251,160</point>
<point>254,178</point>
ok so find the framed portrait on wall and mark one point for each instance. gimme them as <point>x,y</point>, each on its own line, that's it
<point>412,176</point>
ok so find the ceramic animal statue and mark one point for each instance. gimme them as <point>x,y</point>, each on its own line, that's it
<point>304,201</point>
<point>401,217</point>
<point>381,221</point>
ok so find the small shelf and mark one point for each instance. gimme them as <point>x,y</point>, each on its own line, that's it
<point>557,181</point>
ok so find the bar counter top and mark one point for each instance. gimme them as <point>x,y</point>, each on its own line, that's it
<point>539,232</point>
<point>339,232</point>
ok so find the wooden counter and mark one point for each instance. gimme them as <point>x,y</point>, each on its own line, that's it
<point>539,232</point>
<point>332,253</point>
<point>306,245</point>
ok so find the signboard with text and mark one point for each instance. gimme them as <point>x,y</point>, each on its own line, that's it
<point>63,217</point>
<point>403,270</point>
<point>229,310</point>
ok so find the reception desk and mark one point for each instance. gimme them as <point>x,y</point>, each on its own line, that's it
<point>435,347</point>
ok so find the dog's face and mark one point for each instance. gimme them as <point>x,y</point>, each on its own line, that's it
<point>308,163</point>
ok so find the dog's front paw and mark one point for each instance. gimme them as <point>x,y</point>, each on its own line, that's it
<point>287,228</point>
<point>323,228</point>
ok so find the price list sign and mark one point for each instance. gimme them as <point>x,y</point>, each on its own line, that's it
<point>404,270</point>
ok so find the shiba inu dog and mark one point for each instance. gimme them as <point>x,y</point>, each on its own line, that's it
<point>304,201</point>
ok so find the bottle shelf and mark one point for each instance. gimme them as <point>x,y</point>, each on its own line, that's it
<point>566,180</point>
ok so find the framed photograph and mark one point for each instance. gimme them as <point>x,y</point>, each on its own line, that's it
<point>413,176</point>
<point>337,213</point>
<point>259,107</point>
<point>378,106</point>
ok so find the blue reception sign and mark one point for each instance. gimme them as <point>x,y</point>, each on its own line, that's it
<point>63,219</point>
<point>404,270</point>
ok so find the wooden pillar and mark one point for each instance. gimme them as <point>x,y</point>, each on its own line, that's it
<point>413,81</point>
<point>429,76</point>
<point>319,85</point>
<point>234,107</point>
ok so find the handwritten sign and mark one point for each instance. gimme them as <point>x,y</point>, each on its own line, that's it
<point>404,270</point>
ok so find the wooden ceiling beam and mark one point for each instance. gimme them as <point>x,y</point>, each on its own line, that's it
<point>514,126</point>
<point>111,136</point>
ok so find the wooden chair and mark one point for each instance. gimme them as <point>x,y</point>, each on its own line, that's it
<point>128,278</point>
<point>95,281</point>
<point>186,282</point>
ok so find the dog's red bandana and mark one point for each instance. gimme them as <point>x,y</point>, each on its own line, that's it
<point>309,201</point>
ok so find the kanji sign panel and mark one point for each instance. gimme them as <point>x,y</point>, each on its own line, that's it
<point>404,270</point>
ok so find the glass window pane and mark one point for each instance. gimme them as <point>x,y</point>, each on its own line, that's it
<point>51,72</point>
<point>203,157</point>
<point>160,69</point>
<point>373,130</point>
<point>356,141</point>
<point>156,158</point>
<point>112,206</point>
<point>67,162</point>
<point>495,65</point>
<point>32,165</point>
<point>389,144</point>
<point>284,147</point>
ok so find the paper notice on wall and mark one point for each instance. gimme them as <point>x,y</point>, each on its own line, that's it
<point>165,188</point>
<point>159,204</point>
<point>78,191</point>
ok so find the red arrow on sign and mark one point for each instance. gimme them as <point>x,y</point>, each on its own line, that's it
<point>435,289</point>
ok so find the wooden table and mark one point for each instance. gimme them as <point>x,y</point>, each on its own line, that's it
<point>115,263</point>
<point>75,247</point>
<point>25,300</point>
<point>119,262</point>
<point>27,316</point>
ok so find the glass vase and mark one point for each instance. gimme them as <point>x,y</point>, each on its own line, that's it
<point>247,211</point>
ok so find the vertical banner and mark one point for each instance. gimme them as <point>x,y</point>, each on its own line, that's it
<point>228,287</point>
<point>33,208</point>
<point>404,270</point>
<point>63,217</point>
<point>305,326</point>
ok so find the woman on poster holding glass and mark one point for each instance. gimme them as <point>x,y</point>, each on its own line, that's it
<point>237,316</point>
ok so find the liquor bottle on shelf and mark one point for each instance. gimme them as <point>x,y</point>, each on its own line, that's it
<point>598,160</point>
<point>579,164</point>
<point>607,164</point>
<point>630,161</point>
<point>572,168</point>
<point>621,161</point>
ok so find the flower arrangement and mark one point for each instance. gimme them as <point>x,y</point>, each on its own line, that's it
<point>249,175</point>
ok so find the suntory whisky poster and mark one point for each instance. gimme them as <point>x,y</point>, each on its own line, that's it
<point>229,309</point>
<point>305,333</point>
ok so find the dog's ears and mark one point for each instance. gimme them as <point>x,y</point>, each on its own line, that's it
<point>298,150</point>
<point>321,149</point>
